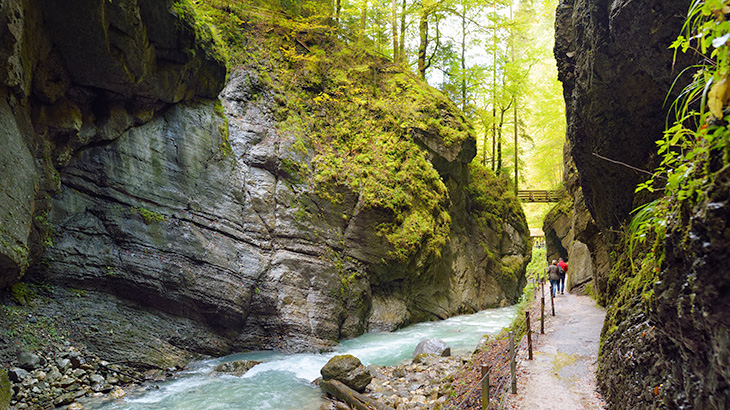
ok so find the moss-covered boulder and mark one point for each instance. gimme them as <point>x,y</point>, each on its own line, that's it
<point>5,392</point>
<point>348,370</point>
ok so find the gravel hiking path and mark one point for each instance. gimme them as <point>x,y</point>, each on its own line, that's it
<point>563,372</point>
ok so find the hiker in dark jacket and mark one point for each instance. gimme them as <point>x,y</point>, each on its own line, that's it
<point>563,270</point>
<point>554,276</point>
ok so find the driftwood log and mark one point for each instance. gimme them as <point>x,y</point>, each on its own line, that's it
<point>358,401</point>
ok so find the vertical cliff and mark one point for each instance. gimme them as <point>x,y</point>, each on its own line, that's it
<point>664,339</point>
<point>77,74</point>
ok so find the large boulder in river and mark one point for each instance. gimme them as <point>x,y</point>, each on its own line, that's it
<point>349,370</point>
<point>432,346</point>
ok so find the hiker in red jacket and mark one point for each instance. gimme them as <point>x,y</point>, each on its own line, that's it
<point>563,270</point>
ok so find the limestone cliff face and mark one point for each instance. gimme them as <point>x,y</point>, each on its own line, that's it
<point>169,223</point>
<point>664,351</point>
<point>616,70</point>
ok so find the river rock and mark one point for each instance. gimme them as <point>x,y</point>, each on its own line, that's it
<point>432,346</point>
<point>53,375</point>
<point>75,359</point>
<point>63,364</point>
<point>29,361</point>
<point>349,370</point>
<point>17,374</point>
<point>237,368</point>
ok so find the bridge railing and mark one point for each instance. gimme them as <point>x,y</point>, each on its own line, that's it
<point>540,195</point>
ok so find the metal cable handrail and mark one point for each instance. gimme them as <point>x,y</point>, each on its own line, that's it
<point>501,382</point>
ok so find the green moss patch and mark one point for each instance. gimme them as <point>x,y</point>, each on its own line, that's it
<point>493,201</point>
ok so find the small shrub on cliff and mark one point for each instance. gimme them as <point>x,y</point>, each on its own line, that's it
<point>148,216</point>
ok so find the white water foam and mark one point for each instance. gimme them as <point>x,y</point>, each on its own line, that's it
<point>282,381</point>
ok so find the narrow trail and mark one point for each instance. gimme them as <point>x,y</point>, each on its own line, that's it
<point>563,372</point>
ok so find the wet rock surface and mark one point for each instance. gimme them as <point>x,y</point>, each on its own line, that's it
<point>432,346</point>
<point>237,368</point>
<point>678,346</point>
<point>158,223</point>
<point>80,73</point>
<point>662,346</point>
<point>616,75</point>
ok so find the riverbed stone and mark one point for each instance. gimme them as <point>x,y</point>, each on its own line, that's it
<point>66,398</point>
<point>237,368</point>
<point>29,361</point>
<point>432,346</point>
<point>17,374</point>
<point>63,364</point>
<point>349,370</point>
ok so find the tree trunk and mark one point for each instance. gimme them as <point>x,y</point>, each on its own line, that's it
<point>338,9</point>
<point>494,132</point>
<point>423,44</point>
<point>499,142</point>
<point>363,20</point>
<point>394,20</point>
<point>494,83</point>
<point>484,145</point>
<point>358,401</point>
<point>463,58</point>
<point>502,111</point>
<point>402,51</point>
<point>516,150</point>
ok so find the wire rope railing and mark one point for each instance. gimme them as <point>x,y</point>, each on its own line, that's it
<point>500,382</point>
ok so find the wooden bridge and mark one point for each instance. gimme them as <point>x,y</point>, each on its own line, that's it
<point>540,195</point>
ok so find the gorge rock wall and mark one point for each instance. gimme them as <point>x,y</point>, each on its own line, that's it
<point>664,348</point>
<point>76,73</point>
<point>158,222</point>
<point>572,234</point>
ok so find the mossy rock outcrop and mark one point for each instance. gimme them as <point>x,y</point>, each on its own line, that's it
<point>286,215</point>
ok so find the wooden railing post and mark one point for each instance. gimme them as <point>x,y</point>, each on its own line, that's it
<point>542,310</point>
<point>552,299</point>
<point>485,386</point>
<point>529,335</point>
<point>512,362</point>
